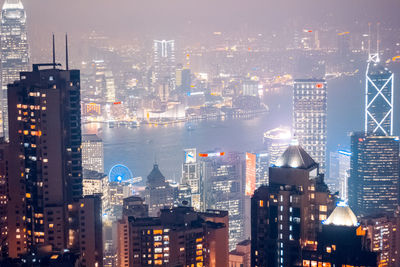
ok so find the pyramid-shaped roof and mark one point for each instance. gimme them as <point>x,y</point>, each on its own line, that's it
<point>295,157</point>
<point>342,215</point>
<point>155,175</point>
<point>13,4</point>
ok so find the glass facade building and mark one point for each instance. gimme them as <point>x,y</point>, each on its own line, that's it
<point>310,117</point>
<point>14,50</point>
<point>374,174</point>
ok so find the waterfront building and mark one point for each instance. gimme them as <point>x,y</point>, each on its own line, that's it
<point>14,51</point>
<point>378,98</point>
<point>310,117</point>
<point>46,206</point>
<point>158,194</point>
<point>164,61</point>
<point>250,88</point>
<point>373,185</point>
<point>92,153</point>
<point>191,175</point>
<point>341,242</point>
<point>178,237</point>
<point>286,214</point>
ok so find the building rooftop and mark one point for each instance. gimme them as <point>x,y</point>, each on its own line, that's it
<point>342,215</point>
<point>13,4</point>
<point>295,157</point>
<point>90,138</point>
<point>155,175</point>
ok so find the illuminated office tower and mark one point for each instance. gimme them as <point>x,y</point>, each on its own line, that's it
<point>310,117</point>
<point>46,206</point>
<point>14,50</point>
<point>110,86</point>
<point>3,199</point>
<point>378,98</point>
<point>287,213</point>
<point>225,190</point>
<point>164,61</point>
<point>191,175</point>
<point>374,174</point>
<point>92,153</point>
<point>262,165</point>
<point>339,171</point>
<point>276,140</point>
<point>177,237</point>
<point>183,79</point>
<point>250,87</point>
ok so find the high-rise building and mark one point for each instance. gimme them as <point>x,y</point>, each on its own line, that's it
<point>262,165</point>
<point>14,50</point>
<point>276,141</point>
<point>158,194</point>
<point>164,61</point>
<point>373,185</point>
<point>178,237</point>
<point>250,87</point>
<point>310,117</point>
<point>225,190</point>
<point>183,79</point>
<point>286,214</point>
<point>92,153</point>
<point>378,98</point>
<point>339,172</point>
<point>383,231</point>
<point>45,205</point>
<point>340,242</point>
<point>4,154</point>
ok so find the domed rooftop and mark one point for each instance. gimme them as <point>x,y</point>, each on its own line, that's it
<point>295,157</point>
<point>13,4</point>
<point>155,175</point>
<point>342,215</point>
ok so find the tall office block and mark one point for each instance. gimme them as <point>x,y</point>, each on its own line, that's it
<point>92,153</point>
<point>262,165</point>
<point>14,50</point>
<point>45,164</point>
<point>378,98</point>
<point>225,190</point>
<point>4,154</point>
<point>164,60</point>
<point>191,175</point>
<point>310,117</point>
<point>286,214</point>
<point>374,174</point>
<point>339,172</point>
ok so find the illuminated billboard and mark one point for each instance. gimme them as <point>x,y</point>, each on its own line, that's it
<point>250,174</point>
<point>190,155</point>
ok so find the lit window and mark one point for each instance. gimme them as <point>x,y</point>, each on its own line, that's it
<point>323,208</point>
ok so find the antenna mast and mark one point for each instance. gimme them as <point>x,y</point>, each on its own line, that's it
<point>54,53</point>
<point>66,52</point>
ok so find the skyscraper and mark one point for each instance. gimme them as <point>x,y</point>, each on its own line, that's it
<point>225,189</point>
<point>310,117</point>
<point>46,207</point>
<point>287,213</point>
<point>191,175</point>
<point>14,50</point>
<point>92,153</point>
<point>339,172</point>
<point>164,62</point>
<point>276,140</point>
<point>374,174</point>
<point>378,98</point>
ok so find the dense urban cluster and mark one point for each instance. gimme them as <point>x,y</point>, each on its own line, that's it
<point>291,202</point>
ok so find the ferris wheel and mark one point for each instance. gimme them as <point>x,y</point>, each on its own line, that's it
<point>120,173</point>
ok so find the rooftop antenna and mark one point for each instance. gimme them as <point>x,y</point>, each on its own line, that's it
<point>54,53</point>
<point>377,40</point>
<point>66,52</point>
<point>369,39</point>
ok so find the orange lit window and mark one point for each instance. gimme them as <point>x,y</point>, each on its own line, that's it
<point>157,232</point>
<point>198,240</point>
<point>28,195</point>
<point>261,203</point>
<point>328,249</point>
<point>157,262</point>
